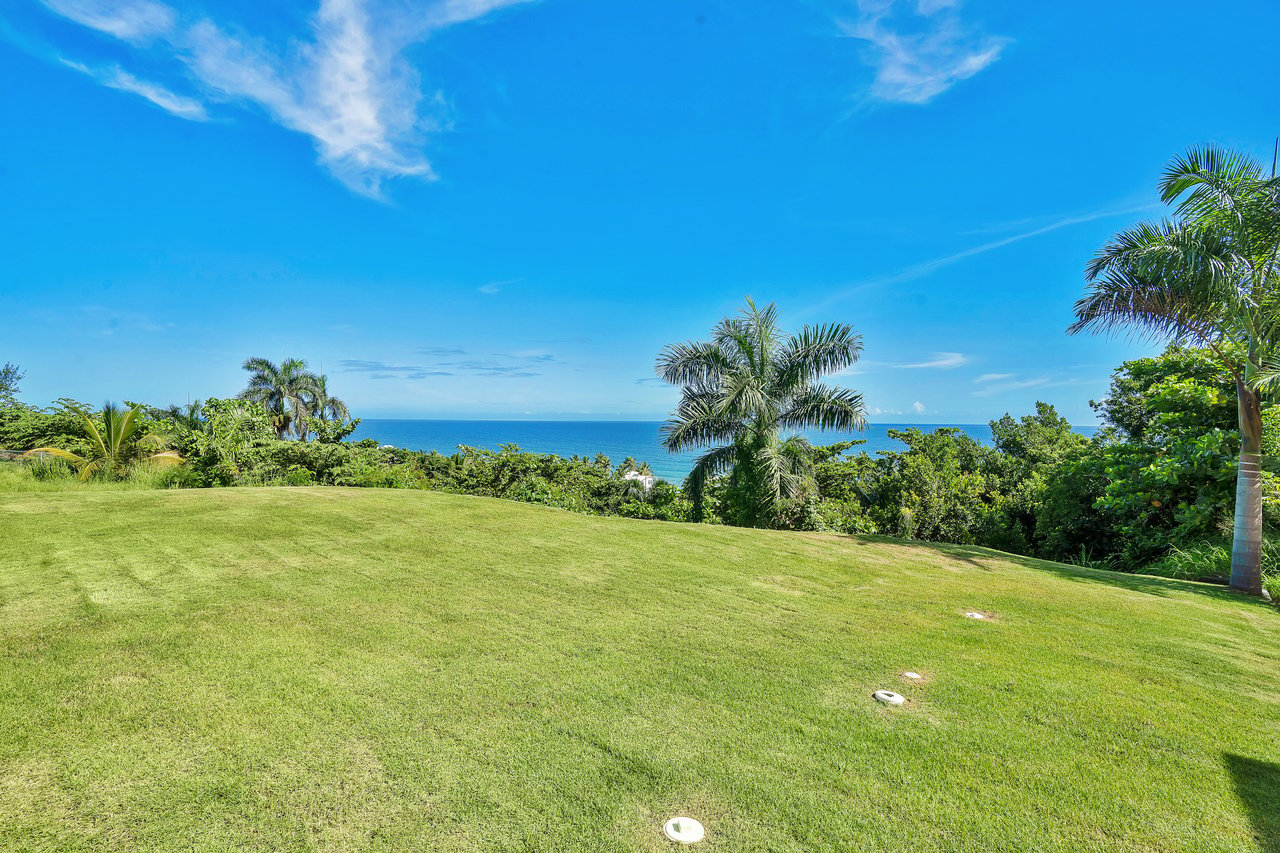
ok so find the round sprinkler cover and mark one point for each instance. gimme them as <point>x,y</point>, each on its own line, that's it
<point>683,830</point>
<point>914,676</point>
<point>887,697</point>
<point>975,615</point>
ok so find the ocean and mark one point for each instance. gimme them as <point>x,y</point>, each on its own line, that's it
<point>615,439</point>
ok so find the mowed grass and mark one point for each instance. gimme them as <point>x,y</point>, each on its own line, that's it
<point>336,669</point>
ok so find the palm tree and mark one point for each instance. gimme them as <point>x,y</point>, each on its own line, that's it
<point>630,465</point>
<point>115,446</point>
<point>1209,277</point>
<point>328,408</point>
<point>741,389</point>
<point>288,392</point>
<point>189,417</point>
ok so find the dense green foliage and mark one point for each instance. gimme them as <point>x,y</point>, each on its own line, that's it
<point>1153,490</point>
<point>947,487</point>
<point>24,427</point>
<point>116,441</point>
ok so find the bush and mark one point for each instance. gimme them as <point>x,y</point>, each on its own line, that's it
<point>663,502</point>
<point>832,516</point>
<point>43,467</point>
<point>299,476</point>
<point>1211,561</point>
<point>1203,561</point>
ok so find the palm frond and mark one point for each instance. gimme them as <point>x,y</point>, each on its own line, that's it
<point>96,437</point>
<point>74,458</point>
<point>784,470</point>
<point>743,396</point>
<point>165,458</point>
<point>1168,278</point>
<point>1209,179</point>
<point>821,406</point>
<point>93,466</point>
<point>693,362</point>
<point>697,422</point>
<point>817,351</point>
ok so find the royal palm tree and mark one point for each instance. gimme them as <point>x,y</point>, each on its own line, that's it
<point>115,446</point>
<point>746,386</point>
<point>1209,277</point>
<point>288,392</point>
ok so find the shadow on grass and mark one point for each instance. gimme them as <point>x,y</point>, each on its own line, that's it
<point>983,558</point>
<point>1258,786</point>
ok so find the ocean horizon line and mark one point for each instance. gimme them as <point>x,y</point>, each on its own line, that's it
<point>599,420</point>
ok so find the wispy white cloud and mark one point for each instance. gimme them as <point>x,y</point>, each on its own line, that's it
<point>924,268</point>
<point>130,20</point>
<point>384,370</point>
<point>919,49</point>
<point>349,87</point>
<point>540,355</point>
<point>996,383</point>
<point>940,360</point>
<point>918,407</point>
<point>115,77</point>
<point>492,287</point>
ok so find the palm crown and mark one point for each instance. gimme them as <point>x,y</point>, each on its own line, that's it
<point>1209,276</point>
<point>743,388</point>
<point>288,392</point>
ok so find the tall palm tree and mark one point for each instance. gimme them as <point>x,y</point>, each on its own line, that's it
<point>288,392</point>
<point>115,446</point>
<point>1209,277</point>
<point>742,389</point>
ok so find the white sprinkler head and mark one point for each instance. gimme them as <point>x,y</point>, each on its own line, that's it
<point>975,615</point>
<point>887,697</point>
<point>683,830</point>
<point>914,676</point>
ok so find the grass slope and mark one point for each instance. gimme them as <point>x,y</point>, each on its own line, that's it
<point>332,669</point>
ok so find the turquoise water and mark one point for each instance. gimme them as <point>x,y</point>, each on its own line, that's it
<point>615,439</point>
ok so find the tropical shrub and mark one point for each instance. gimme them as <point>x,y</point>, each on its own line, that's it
<point>118,440</point>
<point>24,427</point>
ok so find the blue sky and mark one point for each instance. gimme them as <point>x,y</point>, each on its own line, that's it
<point>478,208</point>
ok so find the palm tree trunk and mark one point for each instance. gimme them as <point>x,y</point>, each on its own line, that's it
<point>1246,545</point>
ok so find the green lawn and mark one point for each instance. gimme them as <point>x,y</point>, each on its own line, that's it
<point>335,669</point>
